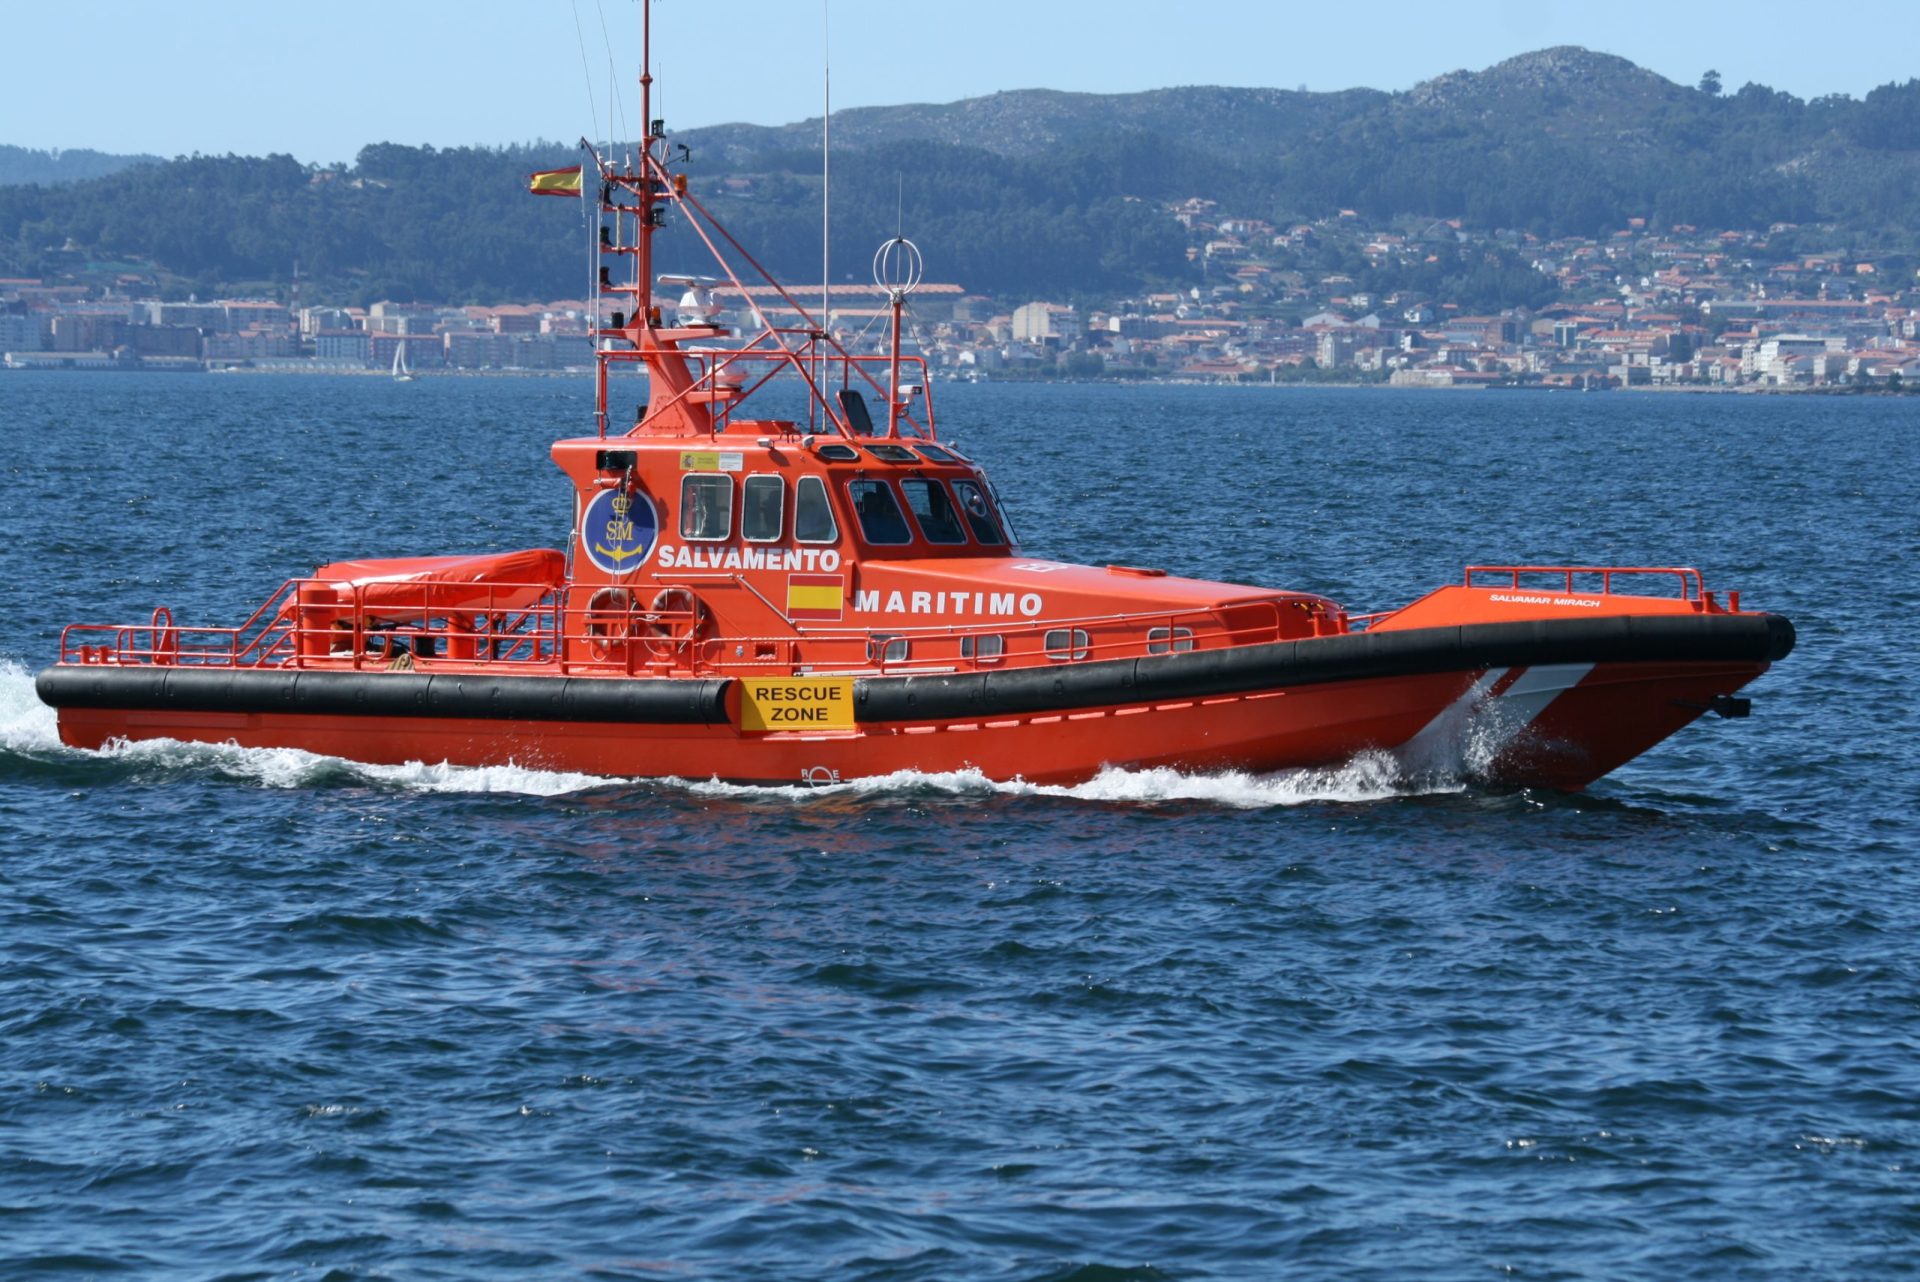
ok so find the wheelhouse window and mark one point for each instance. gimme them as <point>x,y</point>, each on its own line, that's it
<point>706,507</point>
<point>834,452</point>
<point>1000,506</point>
<point>812,512</point>
<point>881,521</point>
<point>762,508</point>
<point>1169,640</point>
<point>979,512</point>
<point>933,510</point>
<point>935,454</point>
<point>892,453</point>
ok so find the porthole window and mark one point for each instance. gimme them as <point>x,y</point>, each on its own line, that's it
<point>983,649</point>
<point>1169,640</point>
<point>706,507</point>
<point>885,649</point>
<point>1066,645</point>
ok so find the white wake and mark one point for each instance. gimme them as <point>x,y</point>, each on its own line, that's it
<point>1370,776</point>
<point>28,728</point>
<point>26,724</point>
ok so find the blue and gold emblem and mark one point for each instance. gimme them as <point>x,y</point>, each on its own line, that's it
<point>618,529</point>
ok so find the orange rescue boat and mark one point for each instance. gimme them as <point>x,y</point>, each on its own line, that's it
<point>784,600</point>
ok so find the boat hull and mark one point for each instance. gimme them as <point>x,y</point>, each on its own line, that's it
<point>1546,703</point>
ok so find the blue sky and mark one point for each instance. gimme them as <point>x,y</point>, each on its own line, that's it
<point>319,80</point>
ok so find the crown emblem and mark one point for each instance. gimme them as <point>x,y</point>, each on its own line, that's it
<point>621,504</point>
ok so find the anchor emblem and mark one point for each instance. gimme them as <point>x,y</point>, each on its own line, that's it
<point>618,529</point>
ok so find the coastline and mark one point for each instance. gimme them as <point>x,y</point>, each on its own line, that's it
<point>1679,389</point>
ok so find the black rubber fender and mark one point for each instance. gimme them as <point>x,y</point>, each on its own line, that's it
<point>652,700</point>
<point>1670,638</point>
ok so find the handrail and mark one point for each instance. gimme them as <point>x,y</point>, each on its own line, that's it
<point>1692,588</point>
<point>560,631</point>
<point>1022,640</point>
<point>287,632</point>
<point>712,362</point>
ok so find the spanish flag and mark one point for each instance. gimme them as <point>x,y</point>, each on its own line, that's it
<point>816,596</point>
<point>555,182</point>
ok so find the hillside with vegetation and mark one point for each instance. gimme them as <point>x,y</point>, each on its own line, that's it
<point>1029,192</point>
<point>22,166</point>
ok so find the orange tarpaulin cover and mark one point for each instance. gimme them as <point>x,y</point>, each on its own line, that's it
<point>430,584</point>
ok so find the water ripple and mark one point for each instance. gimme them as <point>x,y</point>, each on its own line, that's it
<point>275,1015</point>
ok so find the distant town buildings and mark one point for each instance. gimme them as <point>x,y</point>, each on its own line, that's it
<point>50,327</point>
<point>1640,307</point>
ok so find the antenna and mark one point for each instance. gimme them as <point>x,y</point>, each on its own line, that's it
<point>826,179</point>
<point>896,269</point>
<point>586,72</point>
<point>614,96</point>
<point>826,153</point>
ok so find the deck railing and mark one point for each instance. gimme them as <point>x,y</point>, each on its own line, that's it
<point>315,625</point>
<point>1690,585</point>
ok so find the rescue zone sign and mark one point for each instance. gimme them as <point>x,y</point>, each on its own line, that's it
<point>796,703</point>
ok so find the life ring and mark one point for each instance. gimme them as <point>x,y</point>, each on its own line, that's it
<point>608,621</point>
<point>672,621</point>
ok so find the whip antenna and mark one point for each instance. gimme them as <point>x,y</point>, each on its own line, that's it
<point>826,208</point>
<point>826,115</point>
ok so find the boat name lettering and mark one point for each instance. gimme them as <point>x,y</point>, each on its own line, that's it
<point>1585,603</point>
<point>992,604</point>
<point>802,560</point>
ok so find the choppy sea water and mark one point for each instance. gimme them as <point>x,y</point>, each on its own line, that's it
<point>271,1015</point>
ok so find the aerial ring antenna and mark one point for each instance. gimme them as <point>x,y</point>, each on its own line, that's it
<point>897,268</point>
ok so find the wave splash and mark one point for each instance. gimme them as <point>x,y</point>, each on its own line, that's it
<point>297,768</point>
<point>28,728</point>
<point>1370,776</point>
<point>26,724</point>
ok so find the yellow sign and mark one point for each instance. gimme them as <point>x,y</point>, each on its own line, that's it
<point>796,703</point>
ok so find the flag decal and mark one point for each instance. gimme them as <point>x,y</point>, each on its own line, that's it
<point>816,596</point>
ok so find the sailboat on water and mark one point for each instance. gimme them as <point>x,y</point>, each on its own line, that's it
<point>401,374</point>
